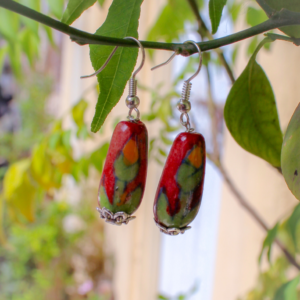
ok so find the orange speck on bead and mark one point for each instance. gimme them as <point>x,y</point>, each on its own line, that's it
<point>130,152</point>
<point>195,157</point>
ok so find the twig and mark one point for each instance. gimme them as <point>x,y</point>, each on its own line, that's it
<point>280,19</point>
<point>246,205</point>
<point>274,36</point>
<point>204,32</point>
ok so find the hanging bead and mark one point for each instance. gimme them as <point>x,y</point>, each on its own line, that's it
<point>179,192</point>
<point>124,174</point>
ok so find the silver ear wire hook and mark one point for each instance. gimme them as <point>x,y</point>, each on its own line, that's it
<point>132,101</point>
<point>165,63</point>
<point>112,54</point>
<point>104,65</point>
<point>184,105</point>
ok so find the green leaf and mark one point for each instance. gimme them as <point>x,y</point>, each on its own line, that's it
<point>30,45</point>
<point>78,111</point>
<point>255,16</point>
<point>290,163</point>
<point>251,115</point>
<point>252,45</point>
<point>9,25</point>
<point>14,52</point>
<point>101,2</point>
<point>98,157</point>
<point>18,189</point>
<point>293,5</point>
<point>161,297</point>
<point>56,7</point>
<point>215,13</point>
<point>31,24</point>
<point>74,10</point>
<point>292,224</point>
<point>121,21</point>
<point>170,23</point>
<point>288,291</point>
<point>271,235</point>
<point>3,53</point>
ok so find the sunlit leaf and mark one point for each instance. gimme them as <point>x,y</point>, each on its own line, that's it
<point>121,21</point>
<point>290,162</point>
<point>268,242</point>
<point>74,10</point>
<point>234,9</point>
<point>31,24</point>
<point>101,2</point>
<point>3,53</point>
<point>18,189</point>
<point>288,291</point>
<point>255,16</point>
<point>78,112</point>
<point>252,45</point>
<point>215,13</point>
<point>43,172</point>
<point>251,114</point>
<point>98,157</point>
<point>161,297</point>
<point>9,24</point>
<point>56,7</point>
<point>14,52</point>
<point>30,45</point>
<point>170,23</point>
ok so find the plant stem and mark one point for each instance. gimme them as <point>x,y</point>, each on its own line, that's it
<point>274,36</point>
<point>280,19</point>
<point>204,32</point>
<point>247,206</point>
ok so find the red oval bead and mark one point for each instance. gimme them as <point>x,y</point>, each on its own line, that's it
<point>124,174</point>
<point>179,191</point>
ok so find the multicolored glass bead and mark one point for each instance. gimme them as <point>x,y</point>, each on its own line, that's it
<point>179,191</point>
<point>124,174</point>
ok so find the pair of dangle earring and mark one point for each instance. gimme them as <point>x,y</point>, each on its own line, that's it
<point>178,197</point>
<point>124,173</point>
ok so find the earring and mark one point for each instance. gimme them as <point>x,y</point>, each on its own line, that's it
<point>178,196</point>
<point>123,178</point>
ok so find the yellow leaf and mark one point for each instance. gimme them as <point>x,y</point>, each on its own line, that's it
<point>19,191</point>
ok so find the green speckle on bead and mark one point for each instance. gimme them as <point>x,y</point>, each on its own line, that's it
<point>188,177</point>
<point>123,172</point>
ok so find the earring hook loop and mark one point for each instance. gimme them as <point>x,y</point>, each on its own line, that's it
<point>112,54</point>
<point>143,55</point>
<point>174,54</point>
<point>164,63</point>
<point>200,62</point>
<point>184,105</point>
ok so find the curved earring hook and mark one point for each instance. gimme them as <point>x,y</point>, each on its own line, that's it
<point>112,54</point>
<point>143,55</point>
<point>165,63</point>
<point>200,62</point>
<point>174,54</point>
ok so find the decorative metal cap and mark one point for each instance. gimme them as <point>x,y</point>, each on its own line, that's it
<point>118,218</point>
<point>172,231</point>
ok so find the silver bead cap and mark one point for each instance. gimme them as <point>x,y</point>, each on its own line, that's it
<point>118,218</point>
